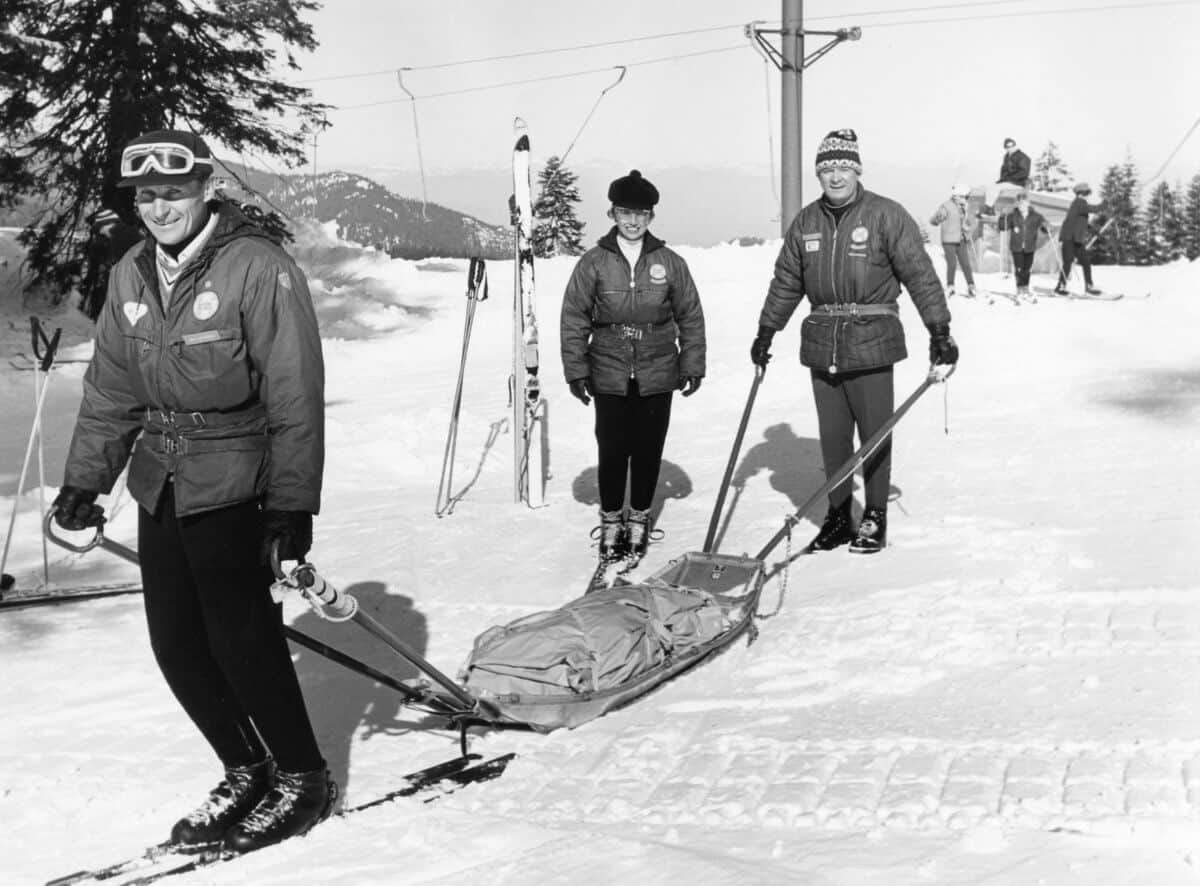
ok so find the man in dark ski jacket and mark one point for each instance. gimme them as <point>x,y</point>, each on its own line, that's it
<point>848,252</point>
<point>208,379</point>
<point>632,332</point>
<point>1014,175</point>
<point>1074,235</point>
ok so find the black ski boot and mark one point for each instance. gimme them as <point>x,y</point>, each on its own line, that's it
<point>836,529</point>
<point>872,532</point>
<point>637,534</point>
<point>298,801</point>
<point>614,536</point>
<point>242,788</point>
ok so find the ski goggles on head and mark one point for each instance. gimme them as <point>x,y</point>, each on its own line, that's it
<point>166,158</point>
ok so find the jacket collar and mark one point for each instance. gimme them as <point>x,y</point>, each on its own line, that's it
<point>650,243</point>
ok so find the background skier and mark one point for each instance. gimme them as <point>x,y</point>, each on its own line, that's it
<point>632,333</point>
<point>207,354</point>
<point>848,252</point>
<point>1074,235</point>
<point>1026,226</point>
<point>956,223</point>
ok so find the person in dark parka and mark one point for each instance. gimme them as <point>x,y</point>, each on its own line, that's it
<point>632,333</point>
<point>208,381</point>
<point>1074,236</point>
<point>848,253</point>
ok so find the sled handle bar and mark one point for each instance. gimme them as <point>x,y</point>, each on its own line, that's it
<point>308,581</point>
<point>99,540</point>
<point>852,463</point>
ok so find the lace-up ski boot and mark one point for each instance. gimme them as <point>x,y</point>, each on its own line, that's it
<point>614,537</point>
<point>242,788</point>
<point>297,802</point>
<point>638,534</point>
<point>872,532</point>
<point>836,529</point>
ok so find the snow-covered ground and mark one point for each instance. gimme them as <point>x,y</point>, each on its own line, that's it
<point>1007,695</point>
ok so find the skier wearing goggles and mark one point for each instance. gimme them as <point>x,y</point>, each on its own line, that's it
<point>207,354</point>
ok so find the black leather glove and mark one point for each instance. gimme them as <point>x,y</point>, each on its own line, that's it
<point>292,530</point>
<point>689,384</point>
<point>76,509</point>
<point>581,390</point>
<point>760,351</point>
<point>942,349</point>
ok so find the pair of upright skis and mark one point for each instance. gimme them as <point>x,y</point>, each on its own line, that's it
<point>525,393</point>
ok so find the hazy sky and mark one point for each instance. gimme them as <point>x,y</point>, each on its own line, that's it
<point>931,98</point>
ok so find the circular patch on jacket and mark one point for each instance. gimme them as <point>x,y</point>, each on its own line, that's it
<point>658,274</point>
<point>859,235</point>
<point>205,305</point>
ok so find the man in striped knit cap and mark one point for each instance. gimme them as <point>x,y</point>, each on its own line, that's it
<point>848,252</point>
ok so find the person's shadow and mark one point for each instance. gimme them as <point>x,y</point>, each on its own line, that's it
<point>795,468</point>
<point>673,482</point>
<point>341,702</point>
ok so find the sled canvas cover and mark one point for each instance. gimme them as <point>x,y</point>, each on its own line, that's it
<point>604,649</point>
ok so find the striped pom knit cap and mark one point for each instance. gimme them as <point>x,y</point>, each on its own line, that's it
<point>839,150</point>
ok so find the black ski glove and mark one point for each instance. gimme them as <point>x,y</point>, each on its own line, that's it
<point>760,351</point>
<point>76,509</point>
<point>689,384</point>
<point>581,390</point>
<point>942,349</point>
<point>291,530</point>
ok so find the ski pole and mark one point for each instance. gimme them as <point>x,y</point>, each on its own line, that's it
<point>44,361</point>
<point>852,463</point>
<point>476,292</point>
<point>710,538</point>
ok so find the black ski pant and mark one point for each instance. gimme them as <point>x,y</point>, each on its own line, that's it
<point>845,401</point>
<point>1070,252</point>
<point>218,636</point>
<point>1022,265</point>
<point>631,431</point>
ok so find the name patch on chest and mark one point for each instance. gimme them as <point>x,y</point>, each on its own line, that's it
<point>812,242</point>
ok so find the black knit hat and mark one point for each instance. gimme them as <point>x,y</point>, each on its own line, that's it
<point>839,150</point>
<point>633,192</point>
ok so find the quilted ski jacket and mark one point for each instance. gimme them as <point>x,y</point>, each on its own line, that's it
<point>619,323</point>
<point>1024,230</point>
<point>222,394</point>
<point>844,266</point>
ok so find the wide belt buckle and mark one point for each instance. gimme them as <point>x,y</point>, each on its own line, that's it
<point>630,331</point>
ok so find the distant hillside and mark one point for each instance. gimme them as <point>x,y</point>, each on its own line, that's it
<point>368,213</point>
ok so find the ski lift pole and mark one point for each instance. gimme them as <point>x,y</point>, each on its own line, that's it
<point>852,463</point>
<point>476,292</point>
<point>709,546</point>
<point>417,133</point>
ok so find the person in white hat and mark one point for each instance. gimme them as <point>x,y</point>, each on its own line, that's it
<point>956,223</point>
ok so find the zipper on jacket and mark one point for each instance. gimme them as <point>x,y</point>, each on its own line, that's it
<point>833,288</point>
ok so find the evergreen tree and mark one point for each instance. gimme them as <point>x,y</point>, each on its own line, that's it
<point>1164,233</point>
<point>1191,219</point>
<point>556,230</point>
<point>1119,217</point>
<point>1050,173</point>
<point>83,77</point>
